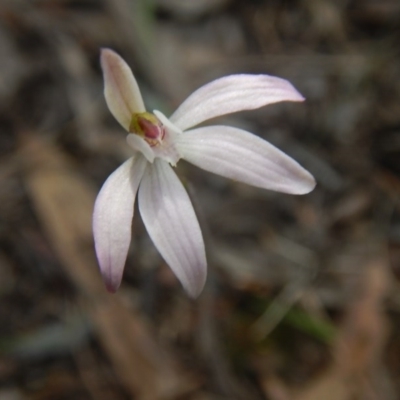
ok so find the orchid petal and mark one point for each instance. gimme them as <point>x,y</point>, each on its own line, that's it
<point>167,149</point>
<point>244,157</point>
<point>112,219</point>
<point>231,94</point>
<point>172,225</point>
<point>167,123</point>
<point>139,144</point>
<point>120,88</point>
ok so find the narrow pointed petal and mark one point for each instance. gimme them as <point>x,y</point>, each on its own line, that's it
<point>244,157</point>
<point>120,88</point>
<point>139,144</point>
<point>231,94</point>
<point>171,222</point>
<point>112,219</point>
<point>167,123</point>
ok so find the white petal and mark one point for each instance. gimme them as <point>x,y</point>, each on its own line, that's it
<point>120,88</point>
<point>112,219</point>
<point>244,157</point>
<point>166,122</point>
<point>167,149</point>
<point>231,94</point>
<point>139,144</point>
<point>172,225</point>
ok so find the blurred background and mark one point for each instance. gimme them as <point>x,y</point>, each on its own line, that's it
<point>302,300</point>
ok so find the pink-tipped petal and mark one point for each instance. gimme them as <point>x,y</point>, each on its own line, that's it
<point>231,94</point>
<point>112,219</point>
<point>244,157</point>
<point>171,222</point>
<point>120,88</point>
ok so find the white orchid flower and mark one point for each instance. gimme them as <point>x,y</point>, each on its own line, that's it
<point>158,143</point>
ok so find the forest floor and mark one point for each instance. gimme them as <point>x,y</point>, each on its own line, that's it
<point>302,300</point>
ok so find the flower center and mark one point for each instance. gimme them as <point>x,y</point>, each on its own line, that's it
<point>148,126</point>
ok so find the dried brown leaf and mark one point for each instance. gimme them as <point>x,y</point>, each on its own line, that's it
<point>358,349</point>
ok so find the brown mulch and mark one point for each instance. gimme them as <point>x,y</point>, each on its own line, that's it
<point>302,298</point>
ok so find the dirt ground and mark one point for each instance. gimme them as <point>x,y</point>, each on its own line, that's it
<point>302,300</point>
